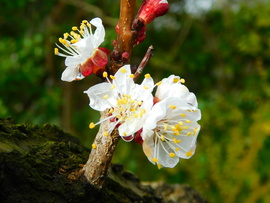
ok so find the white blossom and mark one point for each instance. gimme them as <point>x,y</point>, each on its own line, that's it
<point>81,49</point>
<point>171,129</point>
<point>126,102</point>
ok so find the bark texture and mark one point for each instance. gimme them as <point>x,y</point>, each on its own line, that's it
<point>43,164</point>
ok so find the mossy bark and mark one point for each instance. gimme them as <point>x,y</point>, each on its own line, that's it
<point>43,164</point>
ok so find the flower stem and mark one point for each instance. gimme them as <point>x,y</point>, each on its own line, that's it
<point>125,37</point>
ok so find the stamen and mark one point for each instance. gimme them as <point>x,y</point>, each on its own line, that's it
<point>155,160</point>
<point>182,80</point>
<point>159,166</point>
<point>105,133</point>
<point>106,96</point>
<point>175,80</point>
<point>189,153</point>
<point>105,74</point>
<point>182,114</point>
<point>147,75</point>
<point>131,75</point>
<point>188,121</point>
<point>74,28</point>
<point>94,146</point>
<point>92,125</point>
<point>172,155</point>
<point>56,51</point>
<point>123,70</point>
<point>172,106</point>
<point>112,87</point>
<point>112,77</point>
<point>159,83</point>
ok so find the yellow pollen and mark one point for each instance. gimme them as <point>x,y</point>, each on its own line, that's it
<point>189,153</point>
<point>74,28</point>
<point>66,35</point>
<point>181,123</point>
<point>189,133</point>
<point>182,80</point>
<point>159,83</point>
<point>188,121</point>
<point>111,110</point>
<point>145,87</point>
<point>162,138</point>
<point>112,77</point>
<point>172,155</point>
<point>176,149</point>
<point>135,115</point>
<point>182,114</point>
<point>155,160</point>
<point>139,103</point>
<point>159,166</point>
<point>172,106</point>
<point>112,87</point>
<point>124,133</point>
<point>92,125</point>
<point>131,75</point>
<point>166,127</point>
<point>147,75</point>
<point>105,133</point>
<point>85,21</point>
<point>73,41</point>
<point>94,146</point>
<point>186,127</point>
<point>105,74</point>
<point>176,133</point>
<point>106,96</point>
<point>123,70</point>
<point>175,80</point>
<point>56,51</point>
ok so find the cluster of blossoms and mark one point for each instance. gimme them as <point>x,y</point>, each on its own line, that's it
<point>165,124</point>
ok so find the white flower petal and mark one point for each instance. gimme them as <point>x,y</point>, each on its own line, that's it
<point>70,73</point>
<point>99,32</point>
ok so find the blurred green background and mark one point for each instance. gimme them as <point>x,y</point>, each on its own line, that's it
<point>221,48</point>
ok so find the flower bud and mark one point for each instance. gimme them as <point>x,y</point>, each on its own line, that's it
<point>151,9</point>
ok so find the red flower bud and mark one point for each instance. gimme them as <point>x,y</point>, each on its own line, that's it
<point>151,9</point>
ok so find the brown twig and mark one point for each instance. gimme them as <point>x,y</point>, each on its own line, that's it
<point>145,60</point>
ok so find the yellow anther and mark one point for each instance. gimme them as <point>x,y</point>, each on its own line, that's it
<point>166,127</point>
<point>147,75</point>
<point>74,28</point>
<point>176,133</point>
<point>105,133</point>
<point>60,39</point>
<point>189,153</point>
<point>176,149</point>
<point>172,106</point>
<point>175,80</point>
<point>189,133</point>
<point>124,133</point>
<point>56,51</point>
<point>181,123</point>
<point>159,83</point>
<point>131,75</point>
<point>111,110</point>
<point>105,74</point>
<point>162,138</point>
<point>155,160</point>
<point>182,80</point>
<point>112,77</point>
<point>112,87</point>
<point>135,115</point>
<point>182,114</point>
<point>185,127</point>
<point>188,121</point>
<point>145,87</point>
<point>106,96</point>
<point>92,125</point>
<point>66,35</point>
<point>94,146</point>
<point>85,21</point>
<point>73,41</point>
<point>123,70</point>
<point>172,155</point>
<point>159,166</point>
<point>139,103</point>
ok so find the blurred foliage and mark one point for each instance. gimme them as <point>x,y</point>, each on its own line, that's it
<point>223,53</point>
